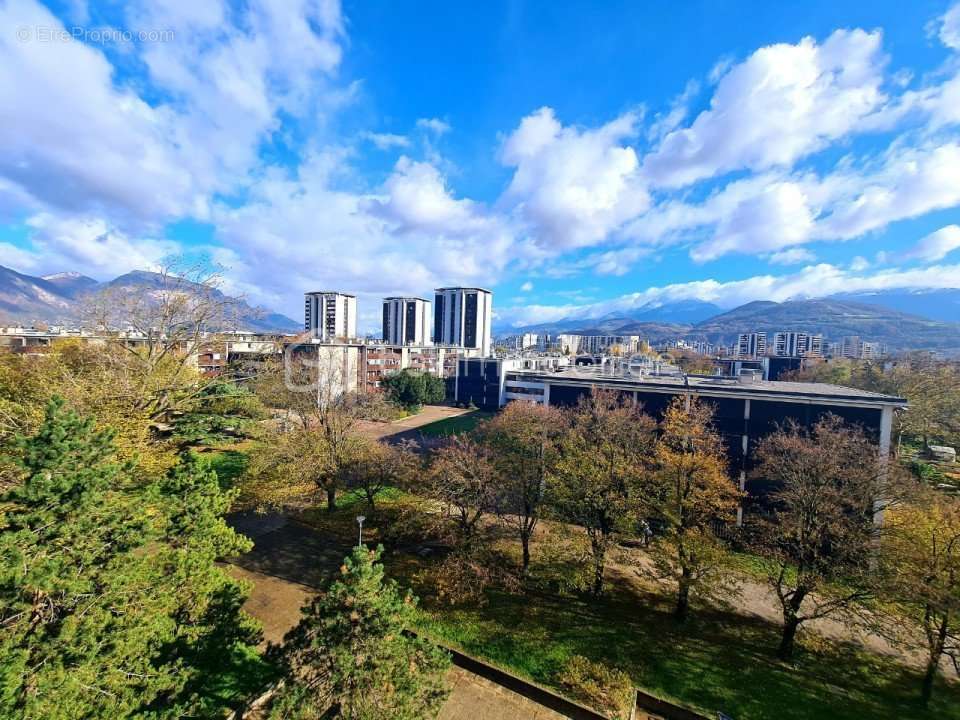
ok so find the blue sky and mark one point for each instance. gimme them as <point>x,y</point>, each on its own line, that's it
<point>578,158</point>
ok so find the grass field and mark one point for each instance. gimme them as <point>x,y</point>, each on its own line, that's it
<point>454,425</point>
<point>715,662</point>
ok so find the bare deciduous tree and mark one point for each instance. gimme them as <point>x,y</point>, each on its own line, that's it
<point>604,458</point>
<point>819,534</point>
<point>524,437</point>
<point>463,477</point>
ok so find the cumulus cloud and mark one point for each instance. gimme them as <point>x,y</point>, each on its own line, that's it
<point>79,140</point>
<point>781,104</point>
<point>573,187</point>
<point>936,245</point>
<point>406,237</point>
<point>92,246</point>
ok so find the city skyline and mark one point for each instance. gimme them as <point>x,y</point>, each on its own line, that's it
<point>766,153</point>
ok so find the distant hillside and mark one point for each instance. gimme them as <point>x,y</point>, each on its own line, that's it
<point>59,298</point>
<point>934,303</point>
<point>26,298</point>
<point>668,315</point>
<point>71,284</point>
<point>834,319</point>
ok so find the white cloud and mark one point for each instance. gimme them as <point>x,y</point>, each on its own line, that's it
<point>679,107</point>
<point>79,140</point>
<point>937,245</point>
<point>410,236</point>
<point>434,125</point>
<point>417,198</point>
<point>769,212</point>
<point>782,103</point>
<point>950,27</point>
<point>573,187</point>
<point>91,246</point>
<point>909,183</point>
<point>811,281</point>
<point>793,256</point>
<point>527,286</point>
<point>386,141</point>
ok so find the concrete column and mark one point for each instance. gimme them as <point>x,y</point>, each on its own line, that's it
<point>886,425</point>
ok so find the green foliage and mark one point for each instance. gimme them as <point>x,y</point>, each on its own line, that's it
<point>350,655</point>
<point>411,389</point>
<point>111,604</point>
<point>222,411</point>
<point>598,686</point>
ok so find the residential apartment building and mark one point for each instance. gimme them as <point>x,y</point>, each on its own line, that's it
<point>330,315</point>
<point>463,317</point>
<point>406,321</point>
<point>751,345</point>
<point>628,344</point>
<point>797,344</point>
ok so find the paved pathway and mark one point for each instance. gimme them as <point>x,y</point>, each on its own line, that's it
<point>288,563</point>
<point>476,698</point>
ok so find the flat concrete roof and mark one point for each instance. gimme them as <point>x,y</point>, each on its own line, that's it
<point>463,288</point>
<point>719,386</point>
<point>329,292</point>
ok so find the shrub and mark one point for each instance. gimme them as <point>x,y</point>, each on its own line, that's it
<point>603,688</point>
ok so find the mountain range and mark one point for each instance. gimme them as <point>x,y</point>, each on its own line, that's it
<point>901,319</point>
<point>59,298</point>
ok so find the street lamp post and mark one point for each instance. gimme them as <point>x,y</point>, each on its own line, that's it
<point>360,519</point>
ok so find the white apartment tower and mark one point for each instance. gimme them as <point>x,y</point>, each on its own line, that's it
<point>751,345</point>
<point>463,317</point>
<point>330,315</point>
<point>406,321</point>
<point>797,344</point>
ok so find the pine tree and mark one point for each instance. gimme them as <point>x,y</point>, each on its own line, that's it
<point>78,614</point>
<point>349,655</point>
<point>111,603</point>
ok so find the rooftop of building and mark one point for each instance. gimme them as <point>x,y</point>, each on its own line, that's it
<point>458,287</point>
<point>720,385</point>
<point>405,297</point>
<point>330,292</point>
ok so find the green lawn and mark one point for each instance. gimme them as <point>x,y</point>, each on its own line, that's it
<point>454,425</point>
<point>228,464</point>
<point>717,661</point>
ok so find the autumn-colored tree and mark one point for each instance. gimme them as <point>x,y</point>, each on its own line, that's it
<point>604,456</point>
<point>524,438</point>
<point>921,563</point>
<point>691,492</point>
<point>819,533</point>
<point>350,657</point>
<point>379,466</point>
<point>293,466</point>
<point>463,477</point>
